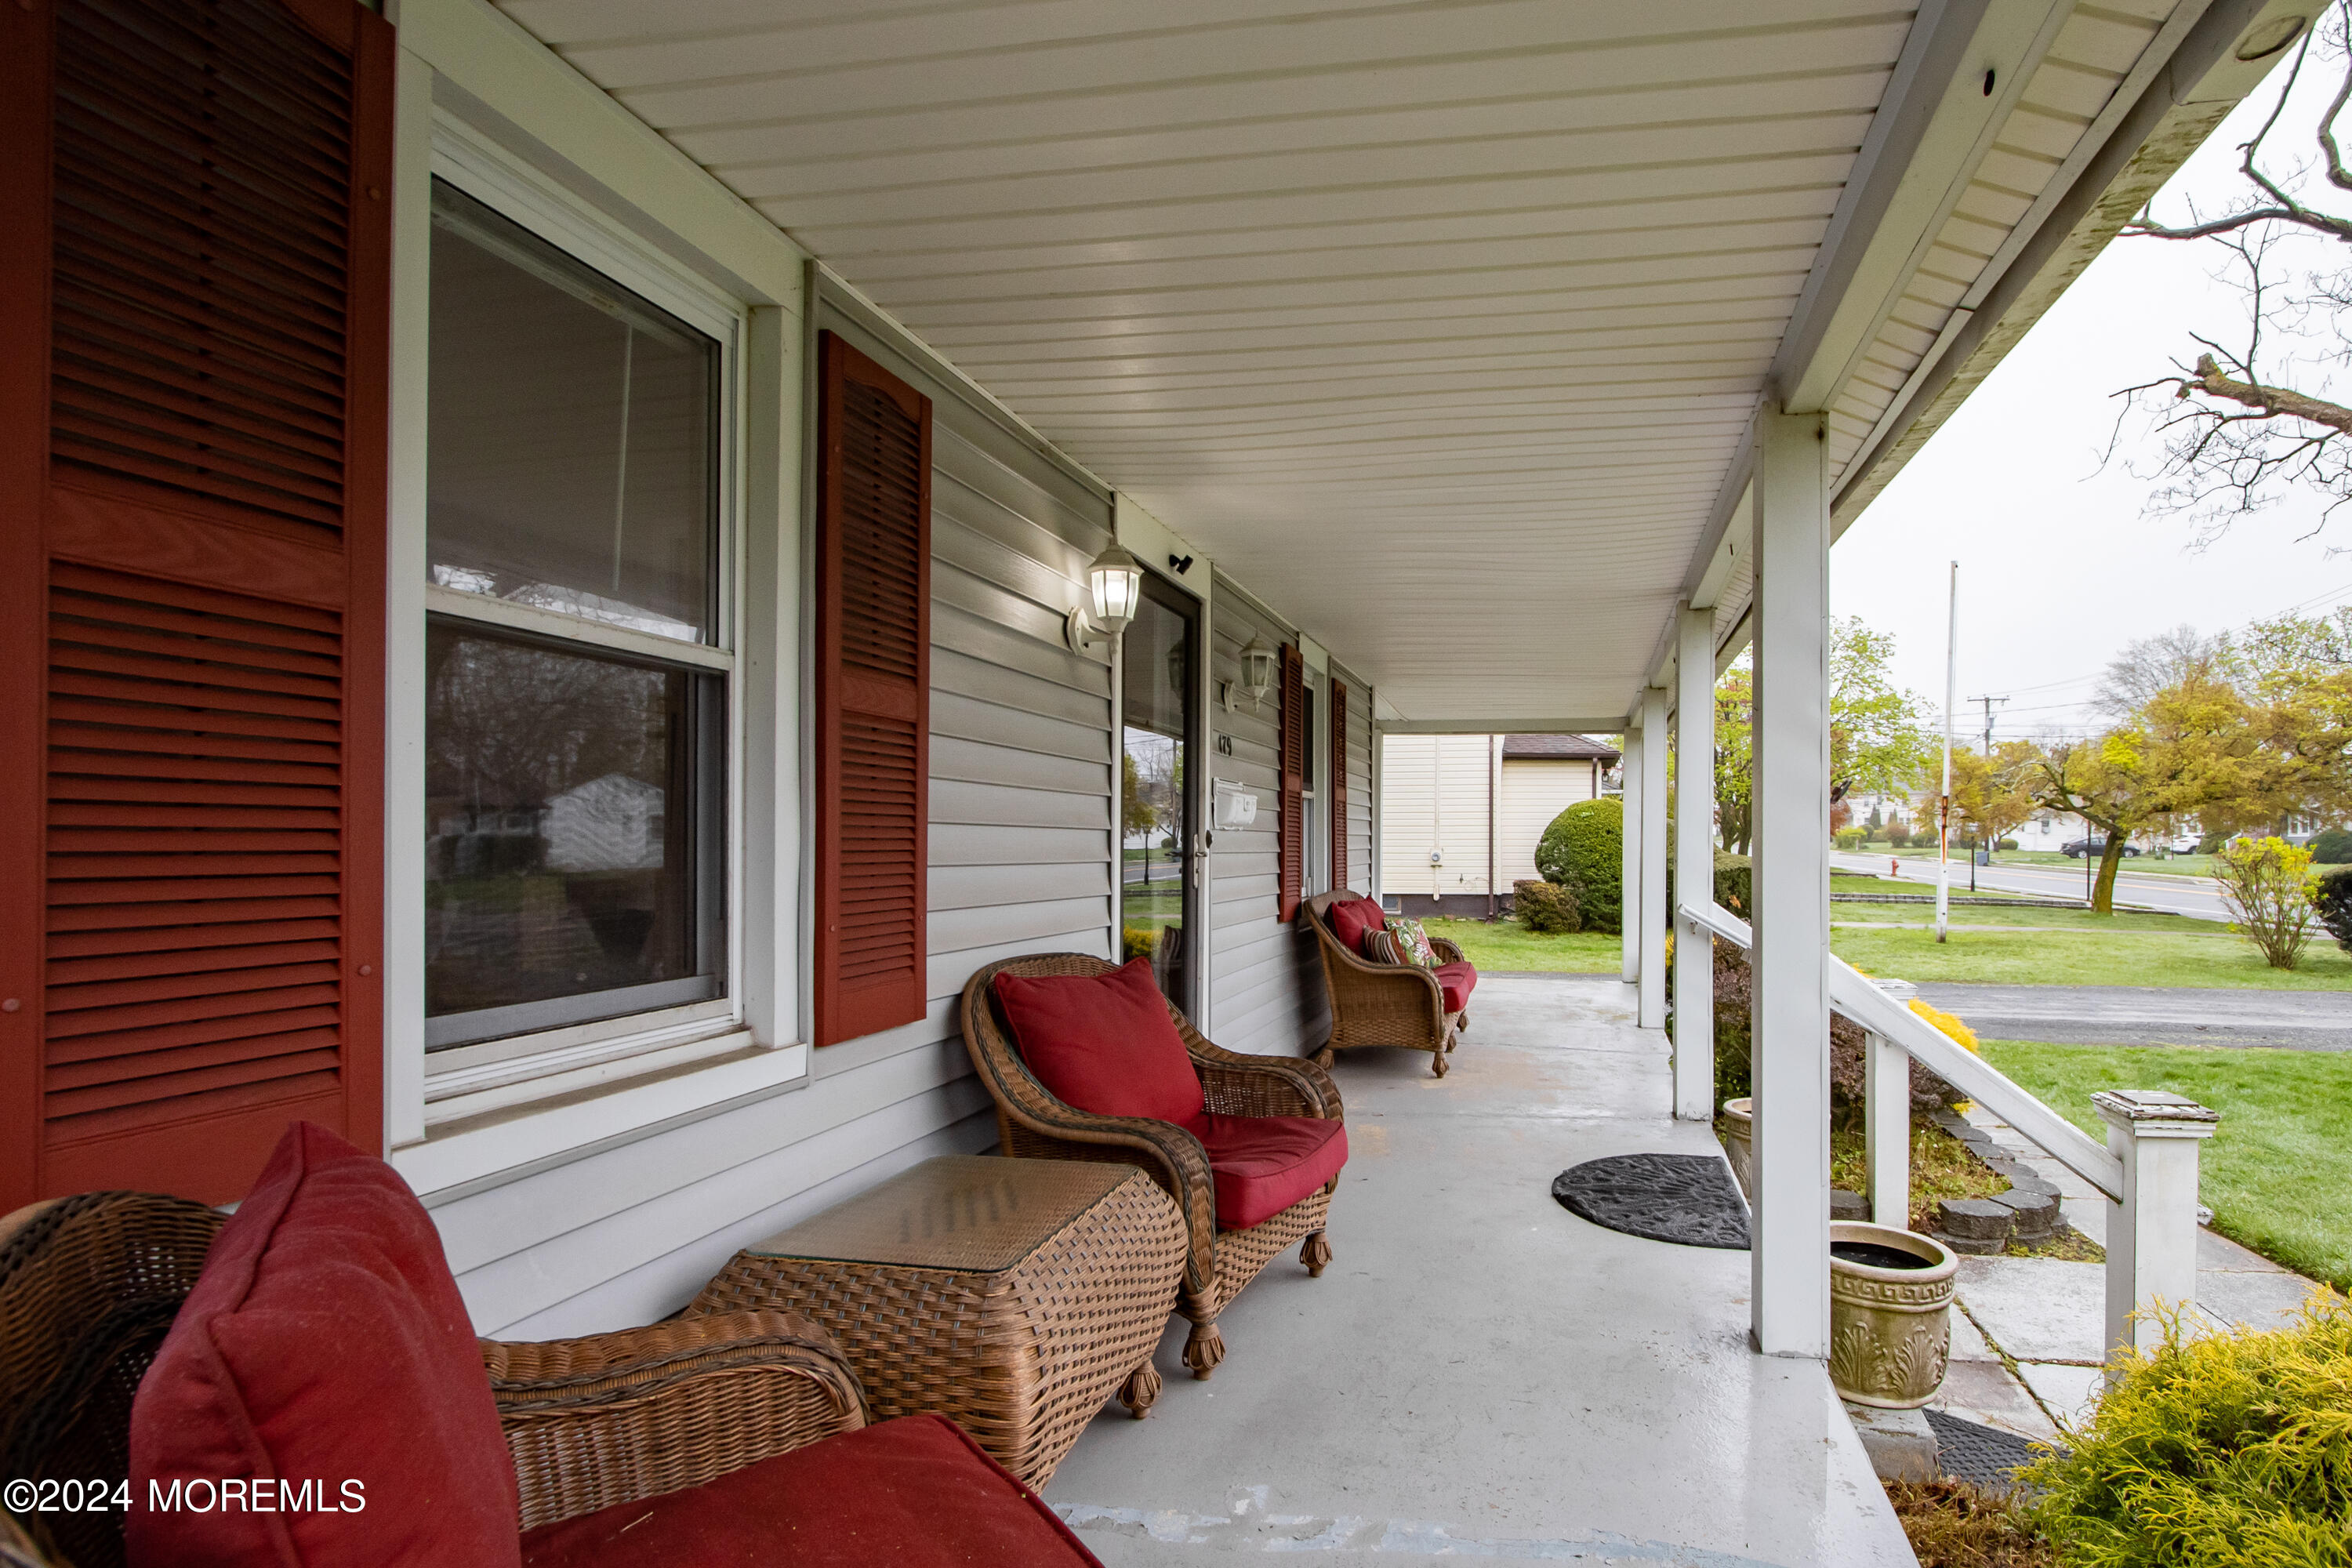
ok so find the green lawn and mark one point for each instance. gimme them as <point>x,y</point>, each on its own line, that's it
<point>2277,1171</point>
<point>1508,945</point>
<point>2070,954</point>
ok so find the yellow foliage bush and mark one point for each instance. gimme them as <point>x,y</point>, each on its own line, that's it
<point>1961,1033</point>
<point>2228,1450</point>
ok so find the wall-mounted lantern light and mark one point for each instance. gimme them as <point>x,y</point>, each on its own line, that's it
<point>1114,586</point>
<point>1257,672</point>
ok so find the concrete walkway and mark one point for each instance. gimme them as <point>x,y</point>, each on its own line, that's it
<point>2151,1016</point>
<point>2047,1316</point>
<point>1481,1374</point>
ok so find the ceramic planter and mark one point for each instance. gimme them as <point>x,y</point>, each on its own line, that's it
<point>1890,1329</point>
<point>1739,1143</point>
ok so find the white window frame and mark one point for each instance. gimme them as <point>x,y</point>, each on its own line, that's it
<point>478,1078</point>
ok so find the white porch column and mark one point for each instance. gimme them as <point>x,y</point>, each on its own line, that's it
<point>2152,1235</point>
<point>1791,1013</point>
<point>1628,879</point>
<point>1655,919</point>
<point>1693,865</point>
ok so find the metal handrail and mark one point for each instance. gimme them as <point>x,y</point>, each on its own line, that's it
<point>1853,994</point>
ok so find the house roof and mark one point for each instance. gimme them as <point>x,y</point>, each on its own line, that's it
<point>1421,318</point>
<point>1557,748</point>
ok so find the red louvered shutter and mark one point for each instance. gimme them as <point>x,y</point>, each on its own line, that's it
<point>872,695</point>
<point>1338,784</point>
<point>1294,780</point>
<point>194,247</point>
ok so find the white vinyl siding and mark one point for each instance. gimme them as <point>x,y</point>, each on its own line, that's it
<point>1435,799</point>
<point>1266,990</point>
<point>1357,874</point>
<point>1535,790</point>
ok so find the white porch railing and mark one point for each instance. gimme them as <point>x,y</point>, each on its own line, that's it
<point>2148,1170</point>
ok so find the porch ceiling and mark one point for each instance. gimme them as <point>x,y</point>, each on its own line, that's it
<point>1438,322</point>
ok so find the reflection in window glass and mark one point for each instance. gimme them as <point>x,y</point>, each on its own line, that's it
<point>1156,701</point>
<point>572,834</point>
<point>572,434</point>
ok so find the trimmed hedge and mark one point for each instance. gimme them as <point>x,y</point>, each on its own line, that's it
<point>1545,906</point>
<point>1583,851</point>
<point>2333,848</point>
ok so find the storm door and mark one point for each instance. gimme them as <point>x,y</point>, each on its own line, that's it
<point>1159,891</point>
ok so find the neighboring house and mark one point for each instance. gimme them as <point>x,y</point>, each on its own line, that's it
<point>609,824</point>
<point>1461,814</point>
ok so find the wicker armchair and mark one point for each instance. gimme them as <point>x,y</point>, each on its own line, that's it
<point>1383,1004</point>
<point>1032,1123</point>
<point>90,1285</point>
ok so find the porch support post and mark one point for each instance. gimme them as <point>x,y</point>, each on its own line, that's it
<point>1693,865</point>
<point>1656,921</point>
<point>1790,1017</point>
<point>2152,1235</point>
<point>1629,848</point>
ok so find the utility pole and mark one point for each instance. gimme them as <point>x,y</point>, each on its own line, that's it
<point>1988,702</point>
<point>1944,807</point>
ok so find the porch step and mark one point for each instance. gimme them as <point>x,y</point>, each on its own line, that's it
<point>1901,1444</point>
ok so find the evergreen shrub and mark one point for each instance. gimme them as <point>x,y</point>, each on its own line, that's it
<point>2333,903</point>
<point>2228,1450</point>
<point>2333,848</point>
<point>1546,907</point>
<point>1583,851</point>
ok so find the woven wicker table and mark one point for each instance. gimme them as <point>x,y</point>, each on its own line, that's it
<point>1013,1296</point>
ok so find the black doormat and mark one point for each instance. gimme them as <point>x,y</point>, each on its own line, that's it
<point>1972,1451</point>
<point>1686,1199</point>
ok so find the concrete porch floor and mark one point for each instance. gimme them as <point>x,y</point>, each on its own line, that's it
<point>1480,1373</point>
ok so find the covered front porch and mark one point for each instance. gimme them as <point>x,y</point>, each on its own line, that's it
<point>744,518</point>
<point>1480,1373</point>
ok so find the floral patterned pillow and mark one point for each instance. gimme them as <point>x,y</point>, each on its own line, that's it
<point>1399,941</point>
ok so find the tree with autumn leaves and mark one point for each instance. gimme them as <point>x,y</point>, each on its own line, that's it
<point>2248,732</point>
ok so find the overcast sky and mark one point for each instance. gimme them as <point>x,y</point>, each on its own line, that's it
<point>2061,561</point>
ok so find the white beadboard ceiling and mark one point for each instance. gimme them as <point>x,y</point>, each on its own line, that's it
<point>1438,323</point>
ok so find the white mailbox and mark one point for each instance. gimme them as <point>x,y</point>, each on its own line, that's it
<point>1234,806</point>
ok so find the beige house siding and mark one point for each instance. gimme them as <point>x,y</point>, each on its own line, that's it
<point>1434,796</point>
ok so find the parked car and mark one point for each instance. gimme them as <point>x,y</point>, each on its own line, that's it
<point>2082,847</point>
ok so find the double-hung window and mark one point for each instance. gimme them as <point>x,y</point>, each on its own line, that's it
<point>577,662</point>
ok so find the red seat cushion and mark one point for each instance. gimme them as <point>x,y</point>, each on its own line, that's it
<point>324,1341</point>
<point>1263,1164</point>
<point>1103,1043</point>
<point>1455,980</point>
<point>1351,917</point>
<point>912,1493</point>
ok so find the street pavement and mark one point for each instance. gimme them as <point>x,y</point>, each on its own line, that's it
<point>2182,895</point>
<point>2149,1015</point>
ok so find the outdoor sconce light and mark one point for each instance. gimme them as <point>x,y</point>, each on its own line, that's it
<point>1257,672</point>
<point>1114,585</point>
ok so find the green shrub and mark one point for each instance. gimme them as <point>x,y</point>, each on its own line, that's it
<point>1851,837</point>
<point>1583,851</point>
<point>2333,903</point>
<point>2333,848</point>
<point>2267,886</point>
<point>1735,882</point>
<point>2229,1450</point>
<point>1546,907</point>
<point>1898,839</point>
<point>2004,844</point>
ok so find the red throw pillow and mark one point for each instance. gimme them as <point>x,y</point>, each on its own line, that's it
<point>1351,917</point>
<point>1103,1043</point>
<point>325,1360</point>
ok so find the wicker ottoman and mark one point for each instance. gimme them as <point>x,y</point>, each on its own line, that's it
<point>1014,1296</point>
